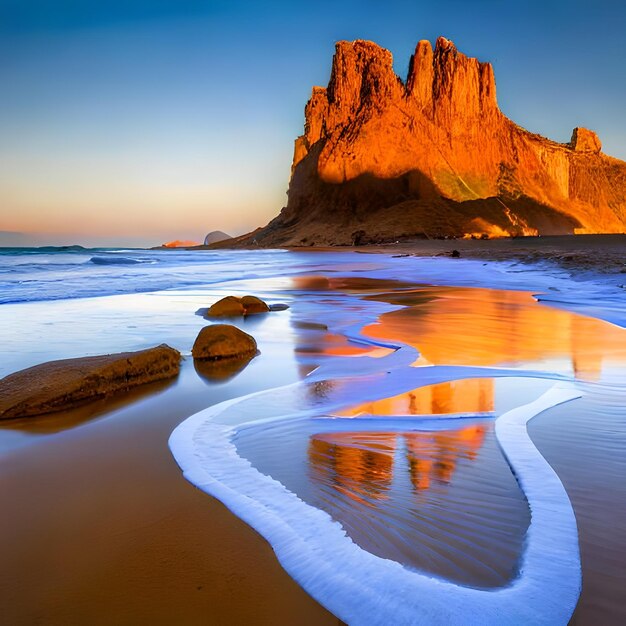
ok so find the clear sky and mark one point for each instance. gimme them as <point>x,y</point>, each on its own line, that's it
<point>142,121</point>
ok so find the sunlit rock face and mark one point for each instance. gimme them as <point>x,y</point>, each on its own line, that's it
<point>434,156</point>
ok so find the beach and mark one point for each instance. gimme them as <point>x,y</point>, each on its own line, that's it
<point>104,528</point>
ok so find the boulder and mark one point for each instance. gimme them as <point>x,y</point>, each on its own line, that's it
<point>222,341</point>
<point>254,305</point>
<point>65,384</point>
<point>230,306</point>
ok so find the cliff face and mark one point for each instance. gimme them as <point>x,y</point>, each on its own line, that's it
<point>434,156</point>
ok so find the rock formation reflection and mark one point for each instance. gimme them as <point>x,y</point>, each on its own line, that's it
<point>360,465</point>
<point>433,457</point>
<point>469,395</point>
<point>486,327</point>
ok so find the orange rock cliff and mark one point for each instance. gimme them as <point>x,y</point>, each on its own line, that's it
<point>382,159</point>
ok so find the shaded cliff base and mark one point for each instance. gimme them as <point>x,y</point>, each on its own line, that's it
<point>371,210</point>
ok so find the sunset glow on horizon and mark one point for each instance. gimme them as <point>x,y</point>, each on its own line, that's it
<point>144,122</point>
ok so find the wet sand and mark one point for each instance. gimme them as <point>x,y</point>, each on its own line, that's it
<point>100,527</point>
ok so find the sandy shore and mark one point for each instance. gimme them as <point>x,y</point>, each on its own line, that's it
<point>577,253</point>
<point>103,529</point>
<point>603,253</point>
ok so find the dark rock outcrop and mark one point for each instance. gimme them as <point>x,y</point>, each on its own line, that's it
<point>382,159</point>
<point>65,384</point>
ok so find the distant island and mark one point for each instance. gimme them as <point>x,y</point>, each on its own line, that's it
<point>382,159</point>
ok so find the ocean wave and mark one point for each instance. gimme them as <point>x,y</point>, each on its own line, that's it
<point>118,260</point>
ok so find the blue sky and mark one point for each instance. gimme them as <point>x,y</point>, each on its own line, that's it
<point>146,121</point>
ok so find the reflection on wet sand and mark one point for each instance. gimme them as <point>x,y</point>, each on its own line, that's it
<point>360,465</point>
<point>329,344</point>
<point>443,502</point>
<point>469,395</point>
<point>220,371</point>
<point>50,423</point>
<point>434,456</point>
<point>485,327</point>
<point>357,465</point>
<point>346,284</point>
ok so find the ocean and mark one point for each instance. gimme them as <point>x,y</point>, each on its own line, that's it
<point>368,424</point>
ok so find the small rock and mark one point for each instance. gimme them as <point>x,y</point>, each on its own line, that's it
<point>222,341</point>
<point>455,254</point>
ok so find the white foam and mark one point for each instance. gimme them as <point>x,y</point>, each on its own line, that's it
<point>361,588</point>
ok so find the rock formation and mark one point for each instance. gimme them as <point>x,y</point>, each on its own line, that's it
<point>382,159</point>
<point>65,384</point>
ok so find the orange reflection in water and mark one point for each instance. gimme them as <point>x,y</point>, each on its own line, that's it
<point>345,284</point>
<point>470,395</point>
<point>486,327</point>
<point>329,344</point>
<point>361,465</point>
<point>434,456</point>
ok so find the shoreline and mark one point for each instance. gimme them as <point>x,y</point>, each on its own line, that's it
<point>602,253</point>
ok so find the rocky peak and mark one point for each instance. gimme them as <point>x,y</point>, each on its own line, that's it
<point>361,72</point>
<point>435,157</point>
<point>584,140</point>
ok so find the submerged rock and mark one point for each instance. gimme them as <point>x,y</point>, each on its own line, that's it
<point>64,384</point>
<point>222,341</point>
